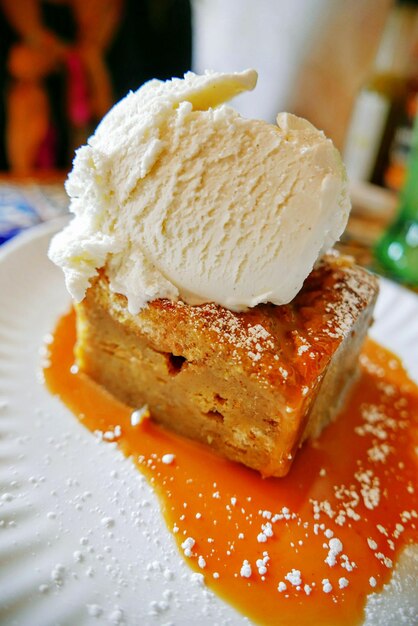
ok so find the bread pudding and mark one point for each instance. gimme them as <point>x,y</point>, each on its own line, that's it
<point>190,260</point>
<point>252,385</point>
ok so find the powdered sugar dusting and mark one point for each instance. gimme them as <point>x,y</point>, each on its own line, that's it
<point>347,291</point>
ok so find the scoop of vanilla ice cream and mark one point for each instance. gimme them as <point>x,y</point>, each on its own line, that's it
<point>181,197</point>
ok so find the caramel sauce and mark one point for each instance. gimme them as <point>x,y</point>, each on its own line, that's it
<point>356,481</point>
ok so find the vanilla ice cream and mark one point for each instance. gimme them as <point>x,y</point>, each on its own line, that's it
<point>182,198</point>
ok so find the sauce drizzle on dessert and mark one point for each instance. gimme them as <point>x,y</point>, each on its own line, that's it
<point>309,547</point>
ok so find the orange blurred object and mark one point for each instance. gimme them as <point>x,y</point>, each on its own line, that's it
<point>39,54</point>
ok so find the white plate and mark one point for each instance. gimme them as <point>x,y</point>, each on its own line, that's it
<point>81,537</point>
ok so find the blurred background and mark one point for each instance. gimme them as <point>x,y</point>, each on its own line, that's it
<point>349,66</point>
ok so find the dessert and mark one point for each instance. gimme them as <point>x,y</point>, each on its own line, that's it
<point>252,385</point>
<point>196,260</point>
<point>194,232</point>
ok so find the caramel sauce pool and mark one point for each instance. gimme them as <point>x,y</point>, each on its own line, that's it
<point>355,485</point>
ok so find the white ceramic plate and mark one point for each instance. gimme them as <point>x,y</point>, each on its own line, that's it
<point>81,537</point>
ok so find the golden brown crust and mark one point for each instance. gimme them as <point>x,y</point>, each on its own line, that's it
<point>246,383</point>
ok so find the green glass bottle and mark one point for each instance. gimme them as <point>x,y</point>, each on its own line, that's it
<point>396,253</point>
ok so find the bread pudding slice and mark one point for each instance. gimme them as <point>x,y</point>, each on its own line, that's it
<point>251,385</point>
